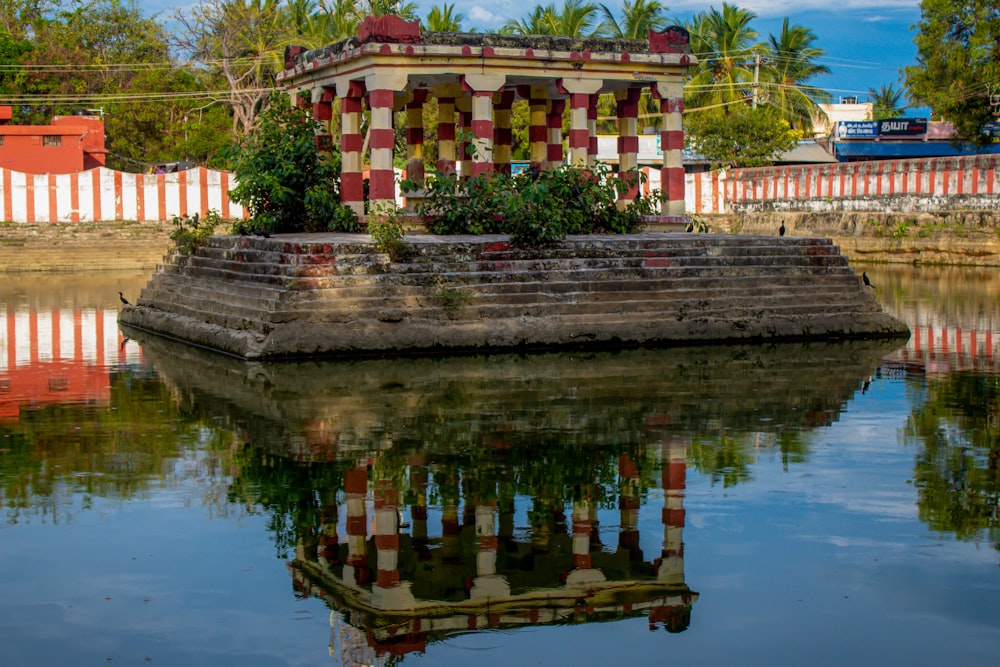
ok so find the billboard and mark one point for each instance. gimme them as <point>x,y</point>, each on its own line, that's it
<point>902,127</point>
<point>857,129</point>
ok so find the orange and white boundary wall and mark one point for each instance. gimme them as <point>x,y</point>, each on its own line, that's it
<point>897,186</point>
<point>104,194</point>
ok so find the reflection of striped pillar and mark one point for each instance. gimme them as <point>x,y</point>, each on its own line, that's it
<point>451,547</point>
<point>553,137</point>
<point>356,570</point>
<point>583,528</point>
<point>628,506</point>
<point>382,138</point>
<point>415,136</point>
<point>387,534</point>
<point>352,190</point>
<point>328,541</point>
<point>418,510</point>
<point>628,143</point>
<point>486,539</point>
<point>446,135</point>
<point>503,137</point>
<point>670,569</point>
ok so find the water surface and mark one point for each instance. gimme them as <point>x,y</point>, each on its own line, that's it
<point>821,504</point>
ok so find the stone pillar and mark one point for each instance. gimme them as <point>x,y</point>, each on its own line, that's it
<point>464,107</point>
<point>382,142</point>
<point>582,97</point>
<point>553,124</point>
<point>538,101</point>
<point>503,137</point>
<point>482,87</point>
<point>356,570</point>
<point>415,136</point>
<point>628,144</point>
<point>671,96</point>
<point>592,129</point>
<point>446,128</point>
<point>322,112</point>
<point>352,191</point>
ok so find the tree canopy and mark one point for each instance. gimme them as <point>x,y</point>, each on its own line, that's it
<point>957,72</point>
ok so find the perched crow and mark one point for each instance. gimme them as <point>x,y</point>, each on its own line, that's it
<point>781,230</point>
<point>123,299</point>
<point>864,278</point>
<point>260,231</point>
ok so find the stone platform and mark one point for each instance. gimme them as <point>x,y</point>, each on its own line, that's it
<point>335,295</point>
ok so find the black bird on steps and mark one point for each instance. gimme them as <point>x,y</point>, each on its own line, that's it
<point>123,299</point>
<point>781,230</point>
<point>864,279</point>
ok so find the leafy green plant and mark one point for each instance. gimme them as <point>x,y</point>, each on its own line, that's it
<point>190,231</point>
<point>535,208</point>
<point>386,228</point>
<point>284,182</point>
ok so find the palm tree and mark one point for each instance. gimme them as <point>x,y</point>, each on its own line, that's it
<point>443,19</point>
<point>638,18</point>
<point>577,19</point>
<point>886,101</point>
<point>790,65</point>
<point>725,45</point>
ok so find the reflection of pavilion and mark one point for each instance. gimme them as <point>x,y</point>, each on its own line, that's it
<point>403,585</point>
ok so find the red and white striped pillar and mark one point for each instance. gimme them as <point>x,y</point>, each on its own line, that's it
<point>671,96</point>
<point>382,141</point>
<point>445,95</point>
<point>415,136</point>
<point>352,190</point>
<point>503,136</point>
<point>553,134</point>
<point>581,94</point>
<point>463,105</point>
<point>538,100</point>
<point>628,143</point>
<point>592,129</point>
<point>482,87</point>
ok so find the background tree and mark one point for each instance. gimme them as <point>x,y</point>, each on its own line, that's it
<point>742,138</point>
<point>725,45</point>
<point>958,63</point>
<point>576,19</point>
<point>886,101</point>
<point>241,43</point>
<point>638,17</point>
<point>443,18</point>
<point>791,64</point>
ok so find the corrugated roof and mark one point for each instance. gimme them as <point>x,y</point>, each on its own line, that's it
<point>882,150</point>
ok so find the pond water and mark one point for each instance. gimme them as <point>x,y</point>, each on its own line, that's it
<point>820,504</point>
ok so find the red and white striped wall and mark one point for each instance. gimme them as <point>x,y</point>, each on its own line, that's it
<point>104,194</point>
<point>900,186</point>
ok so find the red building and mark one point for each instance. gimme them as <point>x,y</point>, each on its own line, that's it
<point>70,144</point>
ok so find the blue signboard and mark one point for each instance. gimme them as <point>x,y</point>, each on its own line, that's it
<point>857,129</point>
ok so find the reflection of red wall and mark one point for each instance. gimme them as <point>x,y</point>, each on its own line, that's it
<point>48,382</point>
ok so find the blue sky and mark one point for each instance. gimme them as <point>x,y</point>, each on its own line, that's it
<point>867,42</point>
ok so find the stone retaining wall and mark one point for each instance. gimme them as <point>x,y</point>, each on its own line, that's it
<point>321,295</point>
